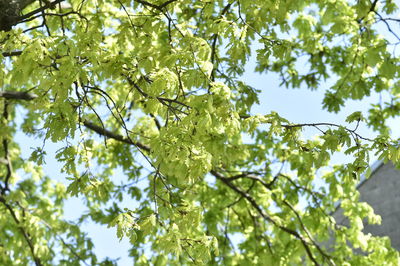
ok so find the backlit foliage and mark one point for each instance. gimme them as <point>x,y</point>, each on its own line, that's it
<point>151,93</point>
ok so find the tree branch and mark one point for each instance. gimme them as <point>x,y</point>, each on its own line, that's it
<point>266,217</point>
<point>351,131</point>
<point>166,3</point>
<point>13,53</point>
<point>6,152</point>
<point>158,7</point>
<point>37,260</point>
<point>109,134</point>
<point>8,165</point>
<point>39,10</point>
<point>373,5</point>
<point>18,95</point>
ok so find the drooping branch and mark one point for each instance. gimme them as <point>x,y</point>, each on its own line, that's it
<point>6,152</point>
<point>315,195</point>
<point>296,213</point>
<point>10,95</point>
<point>8,165</point>
<point>28,240</point>
<point>265,216</point>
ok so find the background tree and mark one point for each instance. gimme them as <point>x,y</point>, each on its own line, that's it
<point>153,89</point>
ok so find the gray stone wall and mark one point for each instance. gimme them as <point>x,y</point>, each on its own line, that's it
<point>382,192</point>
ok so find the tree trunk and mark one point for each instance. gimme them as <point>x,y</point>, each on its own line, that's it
<point>10,11</point>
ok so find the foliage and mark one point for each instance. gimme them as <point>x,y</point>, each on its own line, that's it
<point>153,90</point>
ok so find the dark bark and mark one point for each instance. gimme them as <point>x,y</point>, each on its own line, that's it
<point>10,11</point>
<point>17,95</point>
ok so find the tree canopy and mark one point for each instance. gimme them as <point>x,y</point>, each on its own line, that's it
<point>152,91</point>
